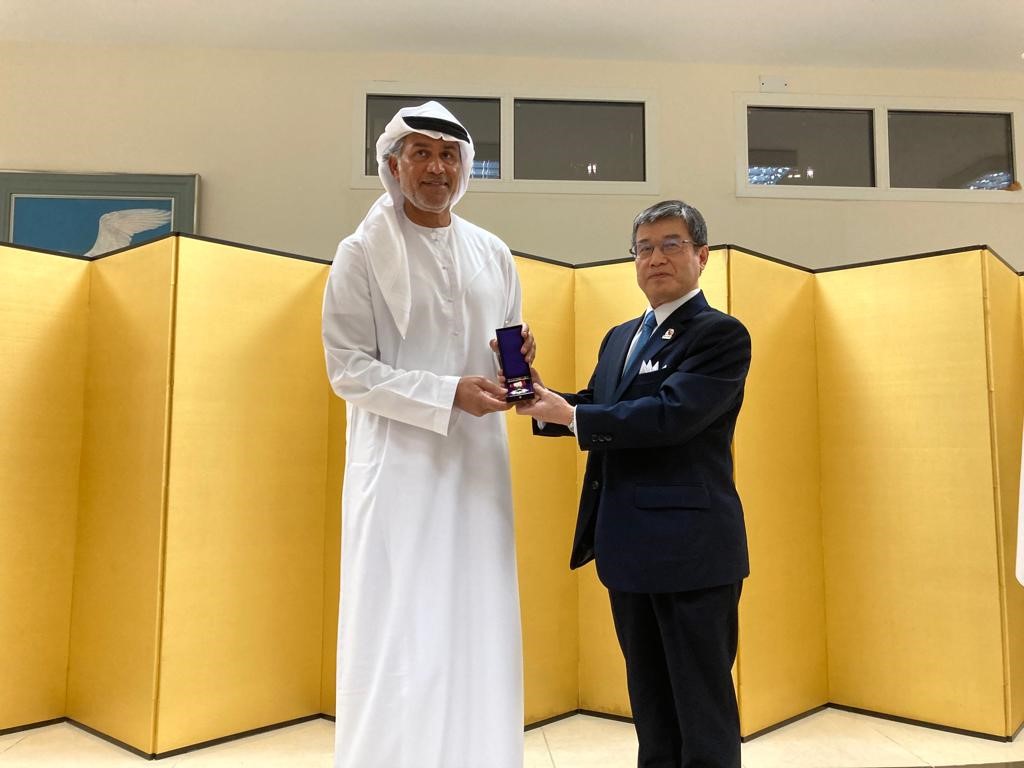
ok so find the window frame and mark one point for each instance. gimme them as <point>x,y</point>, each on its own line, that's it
<point>880,107</point>
<point>507,98</point>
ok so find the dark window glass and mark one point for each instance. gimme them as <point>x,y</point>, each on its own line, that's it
<point>950,150</point>
<point>810,147</point>
<point>579,140</point>
<point>481,117</point>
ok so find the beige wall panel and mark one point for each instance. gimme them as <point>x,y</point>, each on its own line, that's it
<point>237,144</point>
<point>912,583</point>
<point>332,547</point>
<point>1006,379</point>
<point>782,666</point>
<point>243,610</point>
<point>606,296</point>
<point>43,337</point>
<point>115,616</point>
<point>544,497</point>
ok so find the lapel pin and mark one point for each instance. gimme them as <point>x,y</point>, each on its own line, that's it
<point>669,333</point>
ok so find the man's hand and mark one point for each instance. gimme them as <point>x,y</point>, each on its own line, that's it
<point>546,406</point>
<point>529,348</point>
<point>477,395</point>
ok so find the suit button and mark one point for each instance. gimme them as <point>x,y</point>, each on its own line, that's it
<point>595,484</point>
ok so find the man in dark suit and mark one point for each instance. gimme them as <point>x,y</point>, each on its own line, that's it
<point>659,510</point>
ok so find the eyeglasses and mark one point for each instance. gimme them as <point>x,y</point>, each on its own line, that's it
<point>670,246</point>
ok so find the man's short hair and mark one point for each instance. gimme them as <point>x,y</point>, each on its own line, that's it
<point>674,209</point>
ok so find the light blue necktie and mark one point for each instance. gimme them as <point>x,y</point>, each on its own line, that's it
<point>646,329</point>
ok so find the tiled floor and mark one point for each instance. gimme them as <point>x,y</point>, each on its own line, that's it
<point>828,739</point>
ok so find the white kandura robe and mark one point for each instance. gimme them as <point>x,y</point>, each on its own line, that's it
<point>429,642</point>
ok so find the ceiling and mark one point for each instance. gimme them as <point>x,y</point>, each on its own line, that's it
<point>904,34</point>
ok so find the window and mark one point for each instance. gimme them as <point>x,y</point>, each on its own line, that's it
<point>877,148</point>
<point>579,140</point>
<point>950,150</point>
<point>532,142</point>
<point>481,117</point>
<point>810,147</point>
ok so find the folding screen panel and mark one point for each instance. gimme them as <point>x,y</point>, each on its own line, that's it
<point>44,306</point>
<point>243,604</point>
<point>877,455</point>
<point>115,623</point>
<point>544,498</point>
<point>605,296</point>
<point>912,574</point>
<point>1006,387</point>
<point>781,665</point>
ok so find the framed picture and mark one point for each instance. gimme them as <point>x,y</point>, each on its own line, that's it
<point>90,214</point>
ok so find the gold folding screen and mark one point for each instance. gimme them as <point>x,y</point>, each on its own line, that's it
<point>604,296</point>
<point>877,456</point>
<point>1006,388</point>
<point>544,499</point>
<point>201,525</point>
<point>243,583</point>
<point>809,466</point>
<point>781,664</point>
<point>44,303</point>
<point>912,573</point>
<point>115,622</point>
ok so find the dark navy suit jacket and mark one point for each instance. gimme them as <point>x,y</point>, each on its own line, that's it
<point>659,510</point>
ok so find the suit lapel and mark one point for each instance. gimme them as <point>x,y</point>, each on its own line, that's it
<point>614,356</point>
<point>672,327</point>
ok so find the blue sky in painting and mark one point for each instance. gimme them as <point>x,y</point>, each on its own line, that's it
<point>70,224</point>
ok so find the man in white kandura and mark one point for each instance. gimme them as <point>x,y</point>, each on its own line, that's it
<point>429,644</point>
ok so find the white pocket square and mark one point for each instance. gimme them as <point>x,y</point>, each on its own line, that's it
<point>648,367</point>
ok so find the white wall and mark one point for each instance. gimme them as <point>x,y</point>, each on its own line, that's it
<point>271,134</point>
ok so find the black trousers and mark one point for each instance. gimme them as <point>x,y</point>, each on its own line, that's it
<point>679,649</point>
